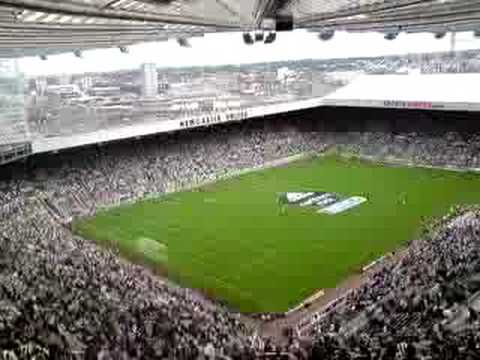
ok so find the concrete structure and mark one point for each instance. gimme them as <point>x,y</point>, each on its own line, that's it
<point>149,80</point>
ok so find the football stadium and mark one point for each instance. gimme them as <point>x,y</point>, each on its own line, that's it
<point>241,240</point>
<point>293,209</point>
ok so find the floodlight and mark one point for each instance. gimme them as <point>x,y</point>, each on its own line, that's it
<point>271,37</point>
<point>247,38</point>
<point>391,36</point>
<point>259,36</point>
<point>326,35</point>
<point>183,42</point>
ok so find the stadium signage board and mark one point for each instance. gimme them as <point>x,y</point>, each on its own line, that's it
<point>411,104</point>
<point>324,202</point>
<point>210,119</point>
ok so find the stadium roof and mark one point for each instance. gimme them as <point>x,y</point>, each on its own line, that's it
<point>454,92</point>
<point>40,27</point>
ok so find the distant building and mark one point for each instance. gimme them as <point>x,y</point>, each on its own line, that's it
<point>226,104</point>
<point>104,91</point>
<point>163,86</point>
<point>65,79</point>
<point>86,82</point>
<point>64,91</point>
<point>14,133</point>
<point>149,80</point>
<point>341,77</point>
<point>8,68</point>
<point>284,73</point>
<point>41,85</point>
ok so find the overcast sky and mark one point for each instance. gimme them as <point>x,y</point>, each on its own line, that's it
<point>216,49</point>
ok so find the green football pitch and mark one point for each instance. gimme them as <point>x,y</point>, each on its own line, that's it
<point>231,240</point>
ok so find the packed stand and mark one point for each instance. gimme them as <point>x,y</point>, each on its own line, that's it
<point>451,149</point>
<point>424,306</point>
<point>62,297</point>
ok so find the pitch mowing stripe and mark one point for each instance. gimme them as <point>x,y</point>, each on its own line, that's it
<point>201,259</point>
<point>152,250</point>
<point>242,294</point>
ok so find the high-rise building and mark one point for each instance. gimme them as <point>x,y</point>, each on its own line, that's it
<point>149,80</point>
<point>14,133</point>
<point>41,85</point>
<point>86,82</point>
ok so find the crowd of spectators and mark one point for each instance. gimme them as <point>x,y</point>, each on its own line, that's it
<point>62,296</point>
<point>423,306</point>
<point>450,149</point>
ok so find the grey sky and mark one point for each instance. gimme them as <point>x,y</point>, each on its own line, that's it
<point>215,49</point>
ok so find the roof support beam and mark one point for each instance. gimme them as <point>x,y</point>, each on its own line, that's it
<point>361,10</point>
<point>405,22</point>
<point>70,8</point>
<point>263,9</point>
<point>85,43</point>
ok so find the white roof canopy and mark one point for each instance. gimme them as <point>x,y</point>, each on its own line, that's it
<point>424,92</point>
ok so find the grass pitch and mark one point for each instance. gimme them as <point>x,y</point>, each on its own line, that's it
<point>230,239</point>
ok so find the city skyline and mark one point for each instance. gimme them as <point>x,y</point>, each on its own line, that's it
<point>224,49</point>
